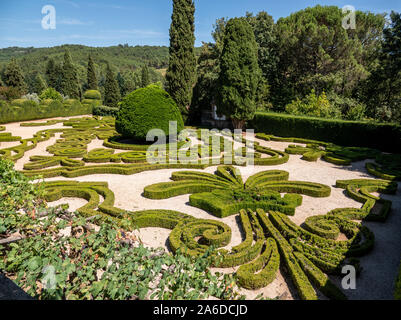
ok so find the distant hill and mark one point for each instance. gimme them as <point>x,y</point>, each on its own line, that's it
<point>122,58</point>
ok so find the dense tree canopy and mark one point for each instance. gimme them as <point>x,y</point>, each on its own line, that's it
<point>316,52</point>
<point>181,75</point>
<point>382,92</point>
<point>239,72</point>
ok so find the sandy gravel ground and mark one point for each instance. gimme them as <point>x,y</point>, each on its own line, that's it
<point>380,266</point>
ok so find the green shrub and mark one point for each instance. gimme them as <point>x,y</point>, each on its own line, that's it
<point>93,94</point>
<point>146,109</point>
<point>51,93</point>
<point>313,105</point>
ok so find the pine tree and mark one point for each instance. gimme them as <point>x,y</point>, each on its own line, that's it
<point>240,73</point>
<point>14,78</point>
<point>40,84</point>
<point>145,76</point>
<point>70,84</point>
<point>112,94</point>
<point>181,72</point>
<point>92,80</point>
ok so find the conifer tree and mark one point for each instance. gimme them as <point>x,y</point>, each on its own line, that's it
<point>92,80</point>
<point>69,83</point>
<point>240,73</point>
<point>145,76</point>
<point>112,93</point>
<point>181,72</point>
<point>14,78</point>
<point>40,84</point>
<point>51,75</point>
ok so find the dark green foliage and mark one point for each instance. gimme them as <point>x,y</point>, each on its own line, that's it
<point>146,109</point>
<point>385,137</point>
<point>266,36</point>
<point>208,69</point>
<point>14,78</point>
<point>382,91</point>
<point>240,73</point>
<point>181,72</point>
<point>40,84</point>
<point>69,83</point>
<point>112,94</point>
<point>91,75</point>
<point>54,75</point>
<point>145,76</point>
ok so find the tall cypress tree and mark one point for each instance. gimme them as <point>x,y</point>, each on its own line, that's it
<point>92,80</point>
<point>70,84</point>
<point>51,73</point>
<point>112,93</point>
<point>145,76</point>
<point>239,73</point>
<point>13,77</point>
<point>40,84</point>
<point>181,72</point>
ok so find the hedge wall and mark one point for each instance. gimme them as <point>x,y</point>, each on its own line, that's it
<point>30,110</point>
<point>385,137</point>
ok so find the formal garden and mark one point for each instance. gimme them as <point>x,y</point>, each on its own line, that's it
<point>95,206</point>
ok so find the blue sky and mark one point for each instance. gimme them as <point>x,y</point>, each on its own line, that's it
<point>137,22</point>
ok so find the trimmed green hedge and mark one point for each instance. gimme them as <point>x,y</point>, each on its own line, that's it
<point>385,137</point>
<point>30,110</point>
<point>105,111</point>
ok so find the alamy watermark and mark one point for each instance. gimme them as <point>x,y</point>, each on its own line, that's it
<point>235,148</point>
<point>349,20</point>
<point>49,20</point>
<point>349,280</point>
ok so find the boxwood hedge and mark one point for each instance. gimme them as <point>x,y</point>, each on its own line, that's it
<point>385,137</point>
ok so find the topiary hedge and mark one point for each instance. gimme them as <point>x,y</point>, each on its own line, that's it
<point>146,109</point>
<point>30,110</point>
<point>385,137</point>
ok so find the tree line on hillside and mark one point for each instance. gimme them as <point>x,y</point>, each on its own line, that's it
<point>126,62</point>
<point>64,79</point>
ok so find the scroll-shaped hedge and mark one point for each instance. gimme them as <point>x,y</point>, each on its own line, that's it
<point>225,193</point>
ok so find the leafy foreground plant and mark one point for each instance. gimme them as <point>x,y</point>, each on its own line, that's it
<point>62,256</point>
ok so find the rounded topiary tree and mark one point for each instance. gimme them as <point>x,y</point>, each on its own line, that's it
<point>146,109</point>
